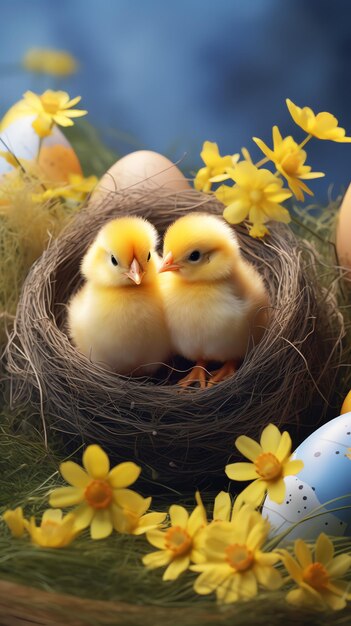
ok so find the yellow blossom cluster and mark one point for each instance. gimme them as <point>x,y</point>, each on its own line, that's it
<point>257,193</point>
<point>228,550</point>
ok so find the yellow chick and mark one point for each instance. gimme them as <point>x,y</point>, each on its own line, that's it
<point>215,301</point>
<point>116,319</point>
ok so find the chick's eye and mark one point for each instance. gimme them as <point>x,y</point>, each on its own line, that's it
<point>194,256</point>
<point>149,256</point>
<point>114,260</point>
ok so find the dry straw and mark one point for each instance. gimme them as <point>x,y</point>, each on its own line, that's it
<point>181,438</point>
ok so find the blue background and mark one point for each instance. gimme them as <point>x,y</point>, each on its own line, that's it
<point>168,75</point>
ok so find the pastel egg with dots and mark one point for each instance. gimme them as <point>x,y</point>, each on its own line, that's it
<point>140,170</point>
<point>56,159</point>
<point>318,498</point>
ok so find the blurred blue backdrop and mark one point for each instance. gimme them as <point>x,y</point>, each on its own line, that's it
<point>168,75</point>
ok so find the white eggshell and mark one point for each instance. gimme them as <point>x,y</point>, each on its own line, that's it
<point>141,169</point>
<point>343,234</point>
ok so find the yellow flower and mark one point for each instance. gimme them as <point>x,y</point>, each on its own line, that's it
<point>15,521</point>
<point>47,61</point>
<point>234,562</point>
<point>323,125</point>
<point>271,462</point>
<point>215,165</point>
<point>177,546</point>
<point>256,195</point>
<point>289,160</point>
<point>98,491</point>
<point>319,576</point>
<point>55,531</point>
<point>77,189</point>
<point>132,519</point>
<point>52,107</point>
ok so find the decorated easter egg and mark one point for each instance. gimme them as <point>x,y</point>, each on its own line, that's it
<point>143,168</point>
<point>318,499</point>
<point>57,158</point>
<point>343,234</point>
<point>346,406</point>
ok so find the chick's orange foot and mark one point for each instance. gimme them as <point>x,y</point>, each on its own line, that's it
<point>196,375</point>
<point>226,371</point>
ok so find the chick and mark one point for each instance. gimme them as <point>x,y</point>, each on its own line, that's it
<point>117,319</point>
<point>215,301</point>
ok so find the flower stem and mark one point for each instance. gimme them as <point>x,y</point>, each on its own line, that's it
<point>303,143</point>
<point>262,162</point>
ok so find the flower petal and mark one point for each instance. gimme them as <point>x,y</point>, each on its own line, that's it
<point>222,506</point>
<point>248,447</point>
<point>333,601</point>
<point>324,549</point>
<point>195,521</point>
<point>339,566</point>
<point>83,516</point>
<point>131,500</point>
<point>157,559</point>
<point>123,475</point>
<point>211,578</point>
<point>149,521</point>
<point>276,490</point>
<point>303,553</point>
<point>292,566</point>
<point>268,576</point>
<point>270,438</point>
<point>179,515</point>
<point>74,474</point>
<point>96,462</point>
<point>156,538</point>
<point>241,471</point>
<point>236,211</point>
<point>291,468</point>
<point>284,449</point>
<point>254,493</point>
<point>176,568</point>
<point>248,586</point>
<point>101,525</point>
<point>66,496</point>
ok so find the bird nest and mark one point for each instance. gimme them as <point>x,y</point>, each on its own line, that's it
<point>178,436</point>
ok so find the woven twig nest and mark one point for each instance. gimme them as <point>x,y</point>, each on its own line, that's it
<point>177,436</point>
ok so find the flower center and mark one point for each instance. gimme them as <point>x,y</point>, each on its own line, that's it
<point>316,576</point>
<point>98,494</point>
<point>178,540</point>
<point>239,557</point>
<point>291,164</point>
<point>268,466</point>
<point>256,196</point>
<point>50,104</point>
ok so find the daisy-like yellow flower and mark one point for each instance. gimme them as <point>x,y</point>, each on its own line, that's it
<point>97,490</point>
<point>77,189</point>
<point>51,107</point>
<point>15,521</point>
<point>323,125</point>
<point>133,519</point>
<point>55,530</point>
<point>270,463</point>
<point>318,575</point>
<point>215,164</point>
<point>256,195</point>
<point>177,545</point>
<point>49,61</point>
<point>234,563</point>
<point>289,160</point>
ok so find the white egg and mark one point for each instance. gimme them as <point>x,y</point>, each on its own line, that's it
<point>143,170</point>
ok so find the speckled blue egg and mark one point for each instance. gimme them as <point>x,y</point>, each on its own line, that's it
<point>323,486</point>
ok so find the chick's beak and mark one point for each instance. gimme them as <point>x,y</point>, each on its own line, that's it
<point>168,264</point>
<point>135,273</point>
